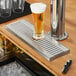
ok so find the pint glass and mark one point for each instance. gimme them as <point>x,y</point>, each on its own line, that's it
<point>18,6</point>
<point>38,10</point>
<point>5,8</point>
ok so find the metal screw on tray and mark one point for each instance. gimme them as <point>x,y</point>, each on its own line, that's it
<point>58,19</point>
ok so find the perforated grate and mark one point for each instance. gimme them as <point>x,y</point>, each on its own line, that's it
<point>47,47</point>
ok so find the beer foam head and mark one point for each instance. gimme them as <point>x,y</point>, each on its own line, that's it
<point>38,7</point>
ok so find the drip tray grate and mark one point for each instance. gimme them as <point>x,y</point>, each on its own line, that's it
<point>47,47</point>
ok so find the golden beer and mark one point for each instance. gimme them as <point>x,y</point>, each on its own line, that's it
<point>38,10</point>
<point>38,23</point>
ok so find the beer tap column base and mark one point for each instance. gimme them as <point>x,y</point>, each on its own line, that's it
<point>61,37</point>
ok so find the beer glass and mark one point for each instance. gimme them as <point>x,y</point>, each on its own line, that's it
<point>18,6</point>
<point>38,10</point>
<point>5,8</point>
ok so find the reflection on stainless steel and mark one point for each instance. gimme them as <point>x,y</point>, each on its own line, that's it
<point>58,19</point>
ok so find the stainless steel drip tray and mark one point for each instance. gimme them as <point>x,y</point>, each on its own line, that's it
<point>47,47</point>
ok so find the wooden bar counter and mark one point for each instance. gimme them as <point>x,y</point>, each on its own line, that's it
<point>56,65</point>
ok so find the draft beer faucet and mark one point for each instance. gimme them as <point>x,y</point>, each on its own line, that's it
<point>58,19</point>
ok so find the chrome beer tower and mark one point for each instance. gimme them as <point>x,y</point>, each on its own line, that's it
<point>58,19</point>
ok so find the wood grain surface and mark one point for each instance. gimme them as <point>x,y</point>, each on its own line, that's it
<point>56,65</point>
